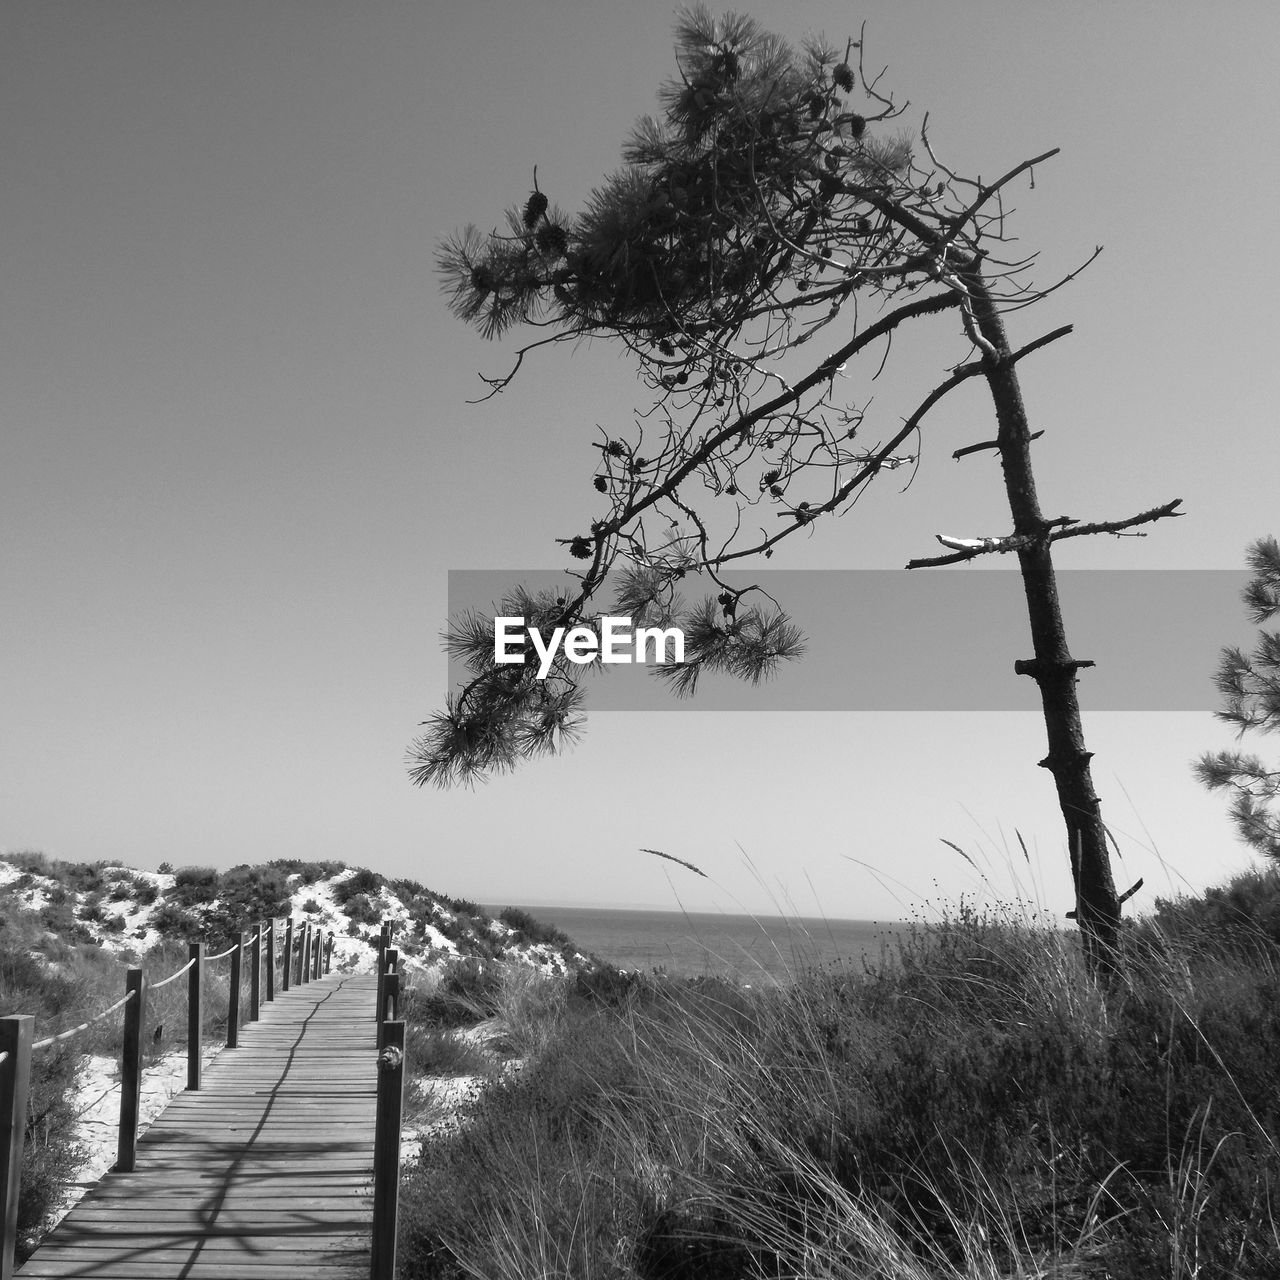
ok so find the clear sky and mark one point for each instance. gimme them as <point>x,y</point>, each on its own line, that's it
<point>237,460</point>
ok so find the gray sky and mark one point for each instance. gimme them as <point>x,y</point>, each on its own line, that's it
<point>238,461</point>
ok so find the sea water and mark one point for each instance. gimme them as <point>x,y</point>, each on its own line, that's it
<point>743,947</point>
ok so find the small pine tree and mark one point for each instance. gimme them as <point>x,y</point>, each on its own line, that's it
<point>1250,687</point>
<point>772,202</point>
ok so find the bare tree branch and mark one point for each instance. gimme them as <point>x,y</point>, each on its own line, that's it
<point>1116,526</point>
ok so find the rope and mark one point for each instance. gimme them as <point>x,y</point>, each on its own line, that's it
<point>84,1026</point>
<point>164,982</point>
<point>97,1017</point>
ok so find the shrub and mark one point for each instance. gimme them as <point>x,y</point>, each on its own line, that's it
<point>91,908</point>
<point>1241,918</point>
<point>123,884</point>
<point>30,861</point>
<point>467,992</point>
<point>528,929</point>
<point>173,921</point>
<point>529,1008</point>
<point>436,1051</point>
<point>308,872</point>
<point>58,917</point>
<point>360,881</point>
<point>606,985</point>
<point>408,890</point>
<point>84,877</point>
<point>194,885</point>
<point>361,910</point>
<point>246,894</point>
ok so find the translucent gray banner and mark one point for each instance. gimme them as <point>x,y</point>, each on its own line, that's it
<point>937,640</point>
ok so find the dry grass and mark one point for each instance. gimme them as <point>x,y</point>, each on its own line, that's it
<point>975,1109</point>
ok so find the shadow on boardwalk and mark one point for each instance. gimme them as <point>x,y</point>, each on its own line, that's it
<point>264,1173</point>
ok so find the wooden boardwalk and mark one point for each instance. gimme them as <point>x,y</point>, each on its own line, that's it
<point>265,1173</point>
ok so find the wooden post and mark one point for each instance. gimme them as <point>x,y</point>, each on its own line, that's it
<point>386,1152</point>
<point>328,954</point>
<point>288,954</point>
<point>233,1002</point>
<point>195,1013</point>
<point>304,957</point>
<point>15,1080</point>
<point>131,1072</point>
<point>390,1002</point>
<point>316,958</point>
<point>383,942</point>
<point>271,960</point>
<point>390,965</point>
<point>255,974</point>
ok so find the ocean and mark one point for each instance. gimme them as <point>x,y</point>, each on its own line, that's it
<point>745,948</point>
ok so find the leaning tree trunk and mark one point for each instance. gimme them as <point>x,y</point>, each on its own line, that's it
<point>1052,667</point>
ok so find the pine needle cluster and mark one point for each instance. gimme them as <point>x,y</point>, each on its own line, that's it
<point>1250,688</point>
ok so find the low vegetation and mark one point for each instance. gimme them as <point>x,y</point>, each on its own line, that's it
<point>70,930</point>
<point>64,981</point>
<point>971,1107</point>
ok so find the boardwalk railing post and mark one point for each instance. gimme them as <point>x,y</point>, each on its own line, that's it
<point>304,955</point>
<point>390,1002</point>
<point>255,973</point>
<point>384,942</point>
<point>319,949</point>
<point>233,1001</point>
<point>195,1013</point>
<point>288,955</point>
<point>386,1150</point>
<point>328,954</point>
<point>15,1080</point>
<point>131,1071</point>
<point>271,960</point>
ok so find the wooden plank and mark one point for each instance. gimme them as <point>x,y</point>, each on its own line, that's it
<point>202,1268</point>
<point>264,1173</point>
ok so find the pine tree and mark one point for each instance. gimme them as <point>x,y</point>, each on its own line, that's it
<point>773,207</point>
<point>1250,687</point>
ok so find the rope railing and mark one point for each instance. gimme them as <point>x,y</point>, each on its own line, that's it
<point>164,982</point>
<point>84,1026</point>
<point>17,1043</point>
<point>306,945</point>
<point>49,1041</point>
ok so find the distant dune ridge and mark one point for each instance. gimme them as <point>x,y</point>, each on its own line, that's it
<point>128,912</point>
